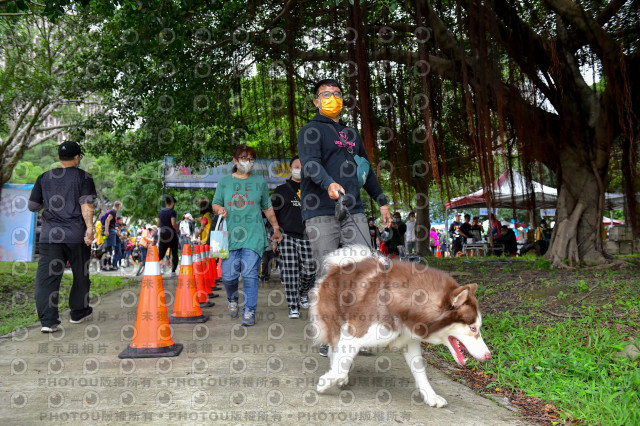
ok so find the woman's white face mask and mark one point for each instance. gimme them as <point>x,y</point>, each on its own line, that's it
<point>245,166</point>
<point>296,173</point>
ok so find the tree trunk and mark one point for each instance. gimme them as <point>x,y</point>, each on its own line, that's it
<point>577,232</point>
<point>364,81</point>
<point>423,223</point>
<point>291,91</point>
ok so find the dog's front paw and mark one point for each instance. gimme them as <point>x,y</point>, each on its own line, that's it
<point>342,382</point>
<point>434,400</point>
<point>325,383</point>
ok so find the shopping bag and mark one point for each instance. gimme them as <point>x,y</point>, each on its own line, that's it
<point>219,240</point>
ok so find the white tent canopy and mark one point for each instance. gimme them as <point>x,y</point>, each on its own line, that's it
<point>519,195</point>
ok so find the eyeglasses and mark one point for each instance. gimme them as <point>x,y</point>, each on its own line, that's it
<point>249,159</point>
<point>327,94</point>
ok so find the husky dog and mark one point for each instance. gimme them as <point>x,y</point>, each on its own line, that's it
<point>365,302</point>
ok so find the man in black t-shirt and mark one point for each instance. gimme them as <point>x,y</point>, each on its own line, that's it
<point>465,228</point>
<point>296,256</point>
<point>168,233</point>
<point>456,240</point>
<point>508,239</point>
<point>66,195</point>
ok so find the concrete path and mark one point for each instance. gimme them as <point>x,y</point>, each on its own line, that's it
<point>228,374</point>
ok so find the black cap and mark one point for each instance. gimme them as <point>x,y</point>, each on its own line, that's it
<point>69,149</point>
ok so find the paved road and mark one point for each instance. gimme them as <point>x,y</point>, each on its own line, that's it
<point>227,374</point>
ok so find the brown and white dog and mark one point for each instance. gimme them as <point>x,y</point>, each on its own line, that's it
<point>363,303</point>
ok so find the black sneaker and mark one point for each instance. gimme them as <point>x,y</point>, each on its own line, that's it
<point>81,320</point>
<point>294,313</point>
<point>324,350</point>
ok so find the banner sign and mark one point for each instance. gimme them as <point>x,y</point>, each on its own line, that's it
<point>547,212</point>
<point>17,224</point>
<point>483,211</point>
<point>275,173</point>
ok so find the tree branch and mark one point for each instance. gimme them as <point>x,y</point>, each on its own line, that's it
<point>38,130</point>
<point>17,125</point>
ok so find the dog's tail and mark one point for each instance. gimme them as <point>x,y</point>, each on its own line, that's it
<point>346,255</point>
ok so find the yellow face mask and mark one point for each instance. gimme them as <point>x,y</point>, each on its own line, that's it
<point>331,107</point>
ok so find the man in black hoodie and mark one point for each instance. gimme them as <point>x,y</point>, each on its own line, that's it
<point>326,146</point>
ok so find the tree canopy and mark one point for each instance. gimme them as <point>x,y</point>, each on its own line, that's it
<point>441,90</point>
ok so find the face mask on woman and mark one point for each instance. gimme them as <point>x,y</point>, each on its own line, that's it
<point>245,166</point>
<point>296,173</point>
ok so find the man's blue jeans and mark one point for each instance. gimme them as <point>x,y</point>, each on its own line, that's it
<point>243,262</point>
<point>112,241</point>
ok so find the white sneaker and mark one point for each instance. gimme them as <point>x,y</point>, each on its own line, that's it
<point>304,302</point>
<point>294,313</point>
<point>51,329</point>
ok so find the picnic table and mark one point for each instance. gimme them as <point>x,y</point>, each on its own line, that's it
<point>482,247</point>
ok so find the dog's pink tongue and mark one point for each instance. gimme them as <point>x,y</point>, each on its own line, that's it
<point>456,346</point>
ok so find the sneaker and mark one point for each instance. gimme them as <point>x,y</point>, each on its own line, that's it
<point>232,308</point>
<point>304,302</point>
<point>324,350</point>
<point>173,274</point>
<point>51,329</point>
<point>294,313</point>
<point>248,319</point>
<point>83,319</point>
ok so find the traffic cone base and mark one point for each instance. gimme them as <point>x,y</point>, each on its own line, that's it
<point>152,333</point>
<point>167,351</point>
<point>213,295</point>
<point>207,304</point>
<point>188,320</point>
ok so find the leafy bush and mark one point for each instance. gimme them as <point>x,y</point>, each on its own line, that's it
<point>542,264</point>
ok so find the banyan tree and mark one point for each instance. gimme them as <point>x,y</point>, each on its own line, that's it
<point>556,79</point>
<point>444,86</point>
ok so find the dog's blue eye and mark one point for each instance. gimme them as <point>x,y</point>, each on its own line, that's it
<point>473,329</point>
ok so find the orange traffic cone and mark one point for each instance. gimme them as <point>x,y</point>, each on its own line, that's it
<point>438,254</point>
<point>152,334</point>
<point>201,291</point>
<point>214,273</point>
<point>208,272</point>
<point>186,308</point>
<point>219,269</point>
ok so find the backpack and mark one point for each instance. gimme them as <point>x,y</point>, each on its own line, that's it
<point>103,218</point>
<point>432,242</point>
<point>129,245</point>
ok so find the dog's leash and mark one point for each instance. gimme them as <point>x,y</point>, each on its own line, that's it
<point>343,212</point>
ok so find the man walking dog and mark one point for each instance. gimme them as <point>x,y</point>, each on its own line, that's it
<point>332,155</point>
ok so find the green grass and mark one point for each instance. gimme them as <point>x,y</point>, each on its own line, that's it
<point>571,362</point>
<point>568,362</point>
<point>17,301</point>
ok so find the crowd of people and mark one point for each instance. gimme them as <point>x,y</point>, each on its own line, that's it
<point>316,211</point>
